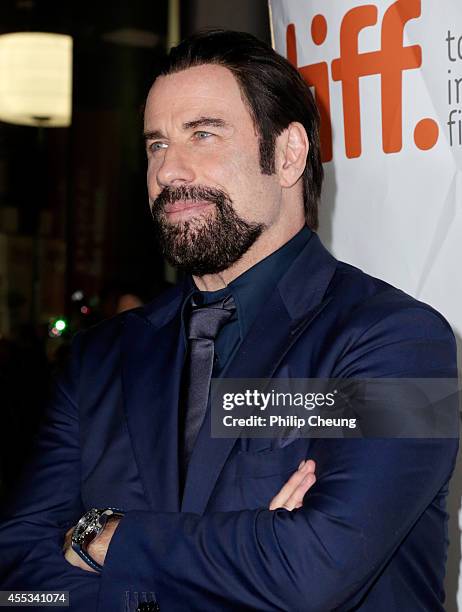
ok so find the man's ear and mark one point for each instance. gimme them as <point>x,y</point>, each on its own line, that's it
<point>292,148</point>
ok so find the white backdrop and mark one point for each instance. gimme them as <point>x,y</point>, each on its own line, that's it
<point>392,202</point>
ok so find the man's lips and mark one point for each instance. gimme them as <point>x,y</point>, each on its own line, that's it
<point>182,205</point>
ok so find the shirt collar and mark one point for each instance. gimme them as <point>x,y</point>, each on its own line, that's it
<point>252,288</point>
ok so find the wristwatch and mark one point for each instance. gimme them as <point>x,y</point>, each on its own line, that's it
<point>89,527</point>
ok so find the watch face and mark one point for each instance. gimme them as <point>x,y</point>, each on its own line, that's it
<point>89,525</point>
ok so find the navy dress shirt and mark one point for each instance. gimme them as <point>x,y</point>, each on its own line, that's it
<point>250,291</point>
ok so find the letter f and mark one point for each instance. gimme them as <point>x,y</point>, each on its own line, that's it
<point>348,68</point>
<point>395,59</point>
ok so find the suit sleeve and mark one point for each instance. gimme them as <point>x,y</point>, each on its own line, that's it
<point>46,504</point>
<point>368,496</point>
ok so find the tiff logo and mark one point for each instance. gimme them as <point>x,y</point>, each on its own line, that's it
<point>390,62</point>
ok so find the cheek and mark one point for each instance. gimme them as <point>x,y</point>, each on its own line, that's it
<point>241,171</point>
<point>255,195</point>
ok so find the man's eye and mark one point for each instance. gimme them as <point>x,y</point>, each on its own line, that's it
<point>201,135</point>
<point>156,146</point>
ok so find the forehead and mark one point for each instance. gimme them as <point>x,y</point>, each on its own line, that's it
<point>207,90</point>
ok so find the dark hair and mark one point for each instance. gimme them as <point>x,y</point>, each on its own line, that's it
<point>274,90</point>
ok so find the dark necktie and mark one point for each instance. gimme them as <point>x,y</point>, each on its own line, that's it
<point>204,324</point>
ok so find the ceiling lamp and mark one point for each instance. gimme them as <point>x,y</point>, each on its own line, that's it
<point>36,79</point>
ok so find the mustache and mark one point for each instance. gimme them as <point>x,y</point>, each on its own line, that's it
<point>197,193</point>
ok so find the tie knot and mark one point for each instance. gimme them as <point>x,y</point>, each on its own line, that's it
<point>207,320</point>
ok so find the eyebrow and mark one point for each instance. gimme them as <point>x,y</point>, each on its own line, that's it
<point>205,121</point>
<point>190,125</point>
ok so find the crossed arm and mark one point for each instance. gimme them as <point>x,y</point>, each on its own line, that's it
<point>368,496</point>
<point>289,497</point>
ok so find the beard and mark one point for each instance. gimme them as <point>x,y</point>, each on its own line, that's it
<point>206,244</point>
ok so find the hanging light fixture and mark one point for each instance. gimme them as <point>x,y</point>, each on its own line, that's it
<point>36,79</point>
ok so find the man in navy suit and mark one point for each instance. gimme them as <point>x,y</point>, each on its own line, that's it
<point>234,176</point>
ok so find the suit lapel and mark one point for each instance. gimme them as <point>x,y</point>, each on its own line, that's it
<point>152,361</point>
<point>295,303</point>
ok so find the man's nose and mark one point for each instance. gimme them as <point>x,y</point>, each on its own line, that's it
<point>176,168</point>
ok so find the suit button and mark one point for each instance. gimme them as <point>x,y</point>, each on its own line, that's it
<point>148,606</point>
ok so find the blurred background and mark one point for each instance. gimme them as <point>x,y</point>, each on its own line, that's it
<point>76,240</point>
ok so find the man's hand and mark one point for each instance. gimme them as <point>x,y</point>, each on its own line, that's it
<point>97,549</point>
<point>292,493</point>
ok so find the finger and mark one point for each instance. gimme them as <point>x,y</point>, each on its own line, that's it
<point>296,499</point>
<point>291,485</point>
<point>287,490</point>
<point>73,558</point>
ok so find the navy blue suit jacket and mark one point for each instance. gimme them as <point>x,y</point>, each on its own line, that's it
<point>372,532</point>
